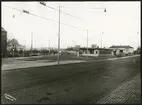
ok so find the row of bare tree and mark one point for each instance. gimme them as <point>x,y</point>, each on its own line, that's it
<point>14,48</point>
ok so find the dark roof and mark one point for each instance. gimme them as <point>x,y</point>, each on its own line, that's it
<point>120,46</point>
<point>94,48</point>
<point>2,29</point>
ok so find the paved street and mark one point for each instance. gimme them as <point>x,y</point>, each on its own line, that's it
<point>72,83</point>
<point>129,92</point>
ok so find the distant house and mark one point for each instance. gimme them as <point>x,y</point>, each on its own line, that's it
<point>77,47</point>
<point>3,42</point>
<point>123,49</point>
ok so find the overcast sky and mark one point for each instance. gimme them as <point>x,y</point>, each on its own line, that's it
<point>120,23</point>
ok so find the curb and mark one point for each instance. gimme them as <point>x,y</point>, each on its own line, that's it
<point>41,65</point>
<point>123,57</point>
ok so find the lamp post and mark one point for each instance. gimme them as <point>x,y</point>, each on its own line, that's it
<point>102,32</point>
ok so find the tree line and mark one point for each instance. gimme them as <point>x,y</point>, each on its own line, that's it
<point>14,48</point>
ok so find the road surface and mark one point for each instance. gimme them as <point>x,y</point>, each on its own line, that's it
<point>71,83</point>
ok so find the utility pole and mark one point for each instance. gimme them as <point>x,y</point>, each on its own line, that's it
<point>49,45</point>
<point>74,43</point>
<point>59,39</point>
<point>31,42</point>
<point>23,52</point>
<point>101,39</point>
<point>13,52</point>
<point>87,43</point>
<point>138,39</point>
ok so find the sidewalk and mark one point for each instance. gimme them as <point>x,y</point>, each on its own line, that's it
<point>123,57</point>
<point>127,93</point>
<point>17,58</point>
<point>27,64</point>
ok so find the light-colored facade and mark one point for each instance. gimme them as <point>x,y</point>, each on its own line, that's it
<point>123,49</point>
<point>95,52</point>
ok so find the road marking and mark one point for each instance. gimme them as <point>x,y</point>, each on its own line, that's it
<point>7,96</point>
<point>106,77</point>
<point>28,65</point>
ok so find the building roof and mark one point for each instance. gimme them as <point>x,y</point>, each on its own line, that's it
<point>121,46</point>
<point>84,48</point>
<point>2,29</point>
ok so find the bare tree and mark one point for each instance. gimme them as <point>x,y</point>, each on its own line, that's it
<point>94,46</point>
<point>12,44</point>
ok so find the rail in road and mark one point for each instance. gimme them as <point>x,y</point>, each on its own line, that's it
<point>82,80</point>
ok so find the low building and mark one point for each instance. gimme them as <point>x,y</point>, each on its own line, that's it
<point>73,50</point>
<point>122,49</point>
<point>3,42</point>
<point>95,52</point>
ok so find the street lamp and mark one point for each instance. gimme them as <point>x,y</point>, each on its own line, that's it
<point>25,11</point>
<point>42,3</point>
<point>105,10</point>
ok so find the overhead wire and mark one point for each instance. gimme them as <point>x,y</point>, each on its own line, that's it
<point>66,13</point>
<point>72,15</point>
<point>45,18</point>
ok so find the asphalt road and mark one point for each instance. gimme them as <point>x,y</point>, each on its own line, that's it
<point>71,83</point>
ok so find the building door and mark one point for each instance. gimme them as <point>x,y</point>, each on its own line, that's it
<point>114,52</point>
<point>121,51</point>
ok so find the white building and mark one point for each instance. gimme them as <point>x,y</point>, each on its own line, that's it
<point>124,49</point>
